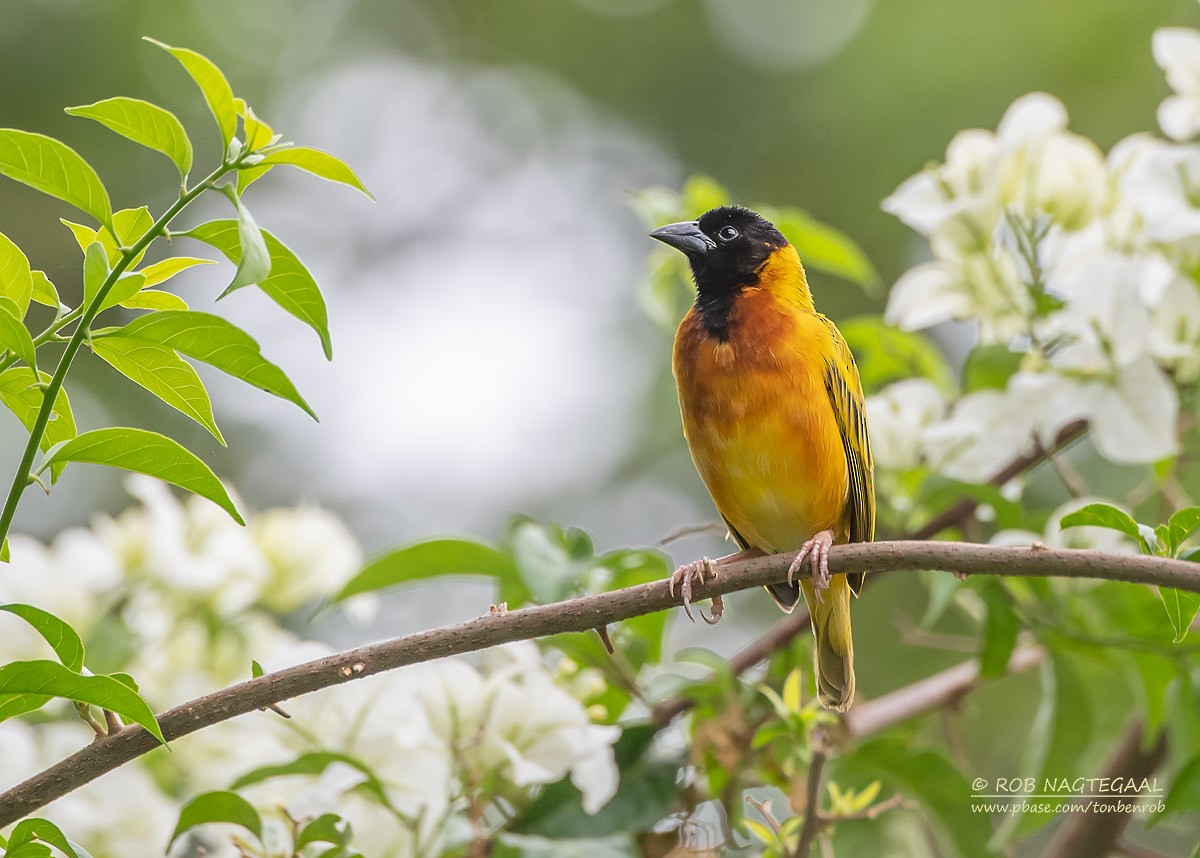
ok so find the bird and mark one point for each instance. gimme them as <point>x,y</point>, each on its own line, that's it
<point>773,415</point>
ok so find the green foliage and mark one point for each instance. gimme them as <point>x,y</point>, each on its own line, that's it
<point>164,373</point>
<point>645,796</point>
<point>999,630</point>
<point>145,453</point>
<point>55,169</point>
<point>218,806</point>
<point>886,354</point>
<point>928,777</point>
<point>213,86</point>
<point>216,342</point>
<point>28,685</point>
<point>1166,540</point>
<point>144,123</point>
<point>289,284</point>
<point>314,763</point>
<point>32,837</point>
<point>61,637</point>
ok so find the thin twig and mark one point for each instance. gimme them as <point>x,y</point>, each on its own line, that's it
<point>576,615</point>
<point>812,799</point>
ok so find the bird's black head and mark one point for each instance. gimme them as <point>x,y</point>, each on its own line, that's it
<point>726,248</point>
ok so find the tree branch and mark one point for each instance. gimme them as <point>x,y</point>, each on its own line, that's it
<point>575,615</point>
<point>940,689</point>
<point>797,623</point>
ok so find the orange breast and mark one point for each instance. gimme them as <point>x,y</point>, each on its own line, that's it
<point>759,422</point>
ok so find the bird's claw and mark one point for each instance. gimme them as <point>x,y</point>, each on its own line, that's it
<point>816,553</point>
<point>698,570</point>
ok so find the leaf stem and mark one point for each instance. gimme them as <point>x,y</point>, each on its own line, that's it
<point>86,315</point>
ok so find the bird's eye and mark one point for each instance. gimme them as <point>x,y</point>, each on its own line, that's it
<point>728,233</point>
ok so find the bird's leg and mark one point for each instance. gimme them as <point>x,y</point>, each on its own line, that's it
<point>700,571</point>
<point>816,552</point>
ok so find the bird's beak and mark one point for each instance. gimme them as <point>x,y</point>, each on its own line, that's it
<point>685,236</point>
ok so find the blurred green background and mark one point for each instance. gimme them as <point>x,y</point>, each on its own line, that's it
<point>491,353</point>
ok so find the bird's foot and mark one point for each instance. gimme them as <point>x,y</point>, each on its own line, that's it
<point>816,553</point>
<point>701,571</point>
<point>683,577</point>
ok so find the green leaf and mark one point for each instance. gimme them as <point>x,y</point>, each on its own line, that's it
<point>161,272</point>
<point>990,367</point>
<point>1106,515</point>
<point>1184,794</point>
<point>146,453</point>
<point>61,637</point>
<point>213,85</point>
<point>53,168</point>
<point>32,831</point>
<point>1182,525</point>
<point>999,629</point>
<point>217,806</point>
<point>123,290</point>
<point>95,271</point>
<point>824,248</point>
<point>162,372</point>
<point>289,284</point>
<point>20,392</point>
<point>16,280</point>
<point>155,299</point>
<point>326,828</point>
<point>424,560</point>
<point>645,795</point>
<point>314,161</point>
<point>29,850</point>
<point>43,290</point>
<point>1181,609</point>
<point>522,846</point>
<point>886,354</point>
<point>258,134</point>
<point>26,685</point>
<point>16,338</point>
<point>144,123</point>
<point>128,227</point>
<point>314,763</point>
<point>929,778</point>
<point>254,263</point>
<point>1059,737</point>
<point>219,343</point>
<point>255,669</point>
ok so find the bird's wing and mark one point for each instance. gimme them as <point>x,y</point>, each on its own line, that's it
<point>846,395</point>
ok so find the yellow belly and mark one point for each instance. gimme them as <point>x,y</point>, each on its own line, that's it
<point>761,428</point>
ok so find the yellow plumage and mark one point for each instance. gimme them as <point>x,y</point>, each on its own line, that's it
<point>773,414</point>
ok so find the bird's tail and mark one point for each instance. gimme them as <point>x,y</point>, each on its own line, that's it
<point>833,647</point>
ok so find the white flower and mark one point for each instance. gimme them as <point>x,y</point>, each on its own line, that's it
<point>1133,416</point>
<point>1157,189</point>
<point>194,549</point>
<point>309,553</point>
<point>974,286</point>
<point>1044,169</point>
<point>516,722</point>
<point>1175,330</point>
<point>989,428</point>
<point>938,195</point>
<point>1177,51</point>
<point>897,417</point>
